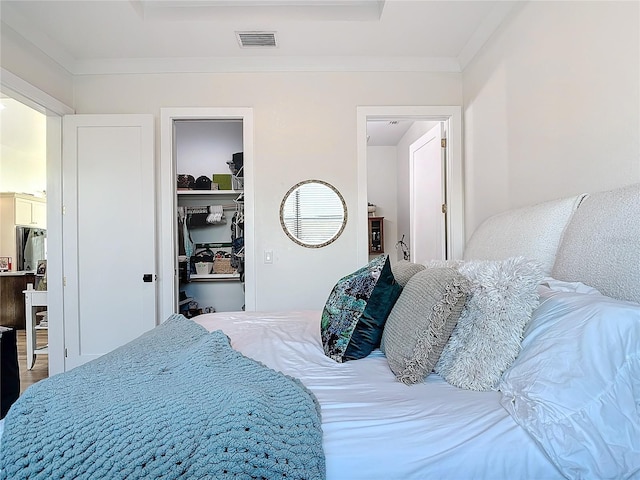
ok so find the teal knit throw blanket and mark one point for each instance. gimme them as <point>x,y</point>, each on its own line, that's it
<point>177,402</point>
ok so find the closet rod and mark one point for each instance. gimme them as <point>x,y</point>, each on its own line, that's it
<point>224,207</point>
<point>214,245</point>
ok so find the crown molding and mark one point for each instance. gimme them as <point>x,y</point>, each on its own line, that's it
<point>265,64</point>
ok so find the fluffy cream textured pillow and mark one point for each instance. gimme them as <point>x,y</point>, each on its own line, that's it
<point>486,339</point>
<point>421,321</point>
<point>404,270</point>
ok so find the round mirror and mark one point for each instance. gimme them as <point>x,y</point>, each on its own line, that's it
<point>313,213</point>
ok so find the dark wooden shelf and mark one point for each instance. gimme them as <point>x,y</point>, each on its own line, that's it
<point>376,235</point>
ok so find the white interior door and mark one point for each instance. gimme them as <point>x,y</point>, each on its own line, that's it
<point>427,180</point>
<point>108,233</point>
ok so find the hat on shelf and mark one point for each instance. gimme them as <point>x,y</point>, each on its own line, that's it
<point>203,183</point>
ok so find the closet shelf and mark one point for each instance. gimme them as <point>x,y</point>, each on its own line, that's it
<point>214,276</point>
<point>209,192</point>
<point>213,245</point>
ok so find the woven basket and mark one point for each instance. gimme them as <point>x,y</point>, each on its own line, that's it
<point>222,265</point>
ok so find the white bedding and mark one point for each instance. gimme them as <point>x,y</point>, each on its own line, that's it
<point>378,428</point>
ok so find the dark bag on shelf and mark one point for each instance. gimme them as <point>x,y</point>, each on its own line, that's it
<point>236,164</point>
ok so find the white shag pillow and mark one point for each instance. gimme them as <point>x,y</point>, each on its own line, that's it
<point>487,337</point>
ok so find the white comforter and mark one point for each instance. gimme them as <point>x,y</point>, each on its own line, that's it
<point>378,428</point>
<point>375,427</point>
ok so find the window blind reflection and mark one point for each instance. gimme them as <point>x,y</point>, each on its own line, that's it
<point>313,213</point>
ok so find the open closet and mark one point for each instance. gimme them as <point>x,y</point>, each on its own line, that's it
<point>209,215</point>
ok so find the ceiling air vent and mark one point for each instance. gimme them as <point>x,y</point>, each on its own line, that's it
<point>256,39</point>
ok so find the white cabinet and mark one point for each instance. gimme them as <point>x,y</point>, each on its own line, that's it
<point>19,209</point>
<point>31,211</point>
<point>109,255</point>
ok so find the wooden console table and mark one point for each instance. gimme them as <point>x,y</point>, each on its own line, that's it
<point>33,299</point>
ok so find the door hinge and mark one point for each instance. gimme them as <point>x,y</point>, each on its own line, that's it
<point>64,209</point>
<point>64,281</point>
<point>443,142</point>
<point>444,208</point>
<point>66,354</point>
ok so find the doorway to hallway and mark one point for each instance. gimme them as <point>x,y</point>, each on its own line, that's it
<point>421,120</point>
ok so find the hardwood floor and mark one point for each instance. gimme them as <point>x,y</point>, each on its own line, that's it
<point>40,368</point>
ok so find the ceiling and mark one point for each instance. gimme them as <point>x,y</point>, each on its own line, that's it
<point>148,36</point>
<point>154,36</point>
<point>386,133</point>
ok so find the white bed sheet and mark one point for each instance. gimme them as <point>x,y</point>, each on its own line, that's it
<point>375,427</point>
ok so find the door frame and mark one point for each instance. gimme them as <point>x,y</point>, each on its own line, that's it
<point>15,87</point>
<point>454,178</point>
<point>167,234</point>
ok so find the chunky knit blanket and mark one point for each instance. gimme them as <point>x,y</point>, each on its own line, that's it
<point>176,402</point>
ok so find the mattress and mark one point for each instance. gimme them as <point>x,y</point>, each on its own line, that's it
<point>375,427</point>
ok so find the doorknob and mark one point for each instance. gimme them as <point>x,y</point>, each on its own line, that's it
<point>148,277</point>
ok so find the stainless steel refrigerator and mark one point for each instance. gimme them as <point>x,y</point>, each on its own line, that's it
<point>31,246</point>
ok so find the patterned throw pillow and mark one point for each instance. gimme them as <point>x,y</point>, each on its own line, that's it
<point>421,322</point>
<point>356,310</point>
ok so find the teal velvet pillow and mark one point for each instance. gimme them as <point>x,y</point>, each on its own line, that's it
<point>357,308</point>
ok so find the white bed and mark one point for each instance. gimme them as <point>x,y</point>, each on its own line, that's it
<point>375,427</point>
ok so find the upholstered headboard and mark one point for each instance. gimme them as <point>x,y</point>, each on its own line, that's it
<point>601,244</point>
<point>533,232</point>
<point>593,239</point>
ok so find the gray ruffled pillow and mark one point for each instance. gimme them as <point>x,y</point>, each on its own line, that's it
<point>421,322</point>
<point>404,270</point>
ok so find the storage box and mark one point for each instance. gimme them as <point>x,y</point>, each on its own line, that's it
<point>223,265</point>
<point>237,183</point>
<point>203,268</point>
<point>223,180</point>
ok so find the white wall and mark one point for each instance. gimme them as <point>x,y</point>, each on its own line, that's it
<point>202,148</point>
<point>382,192</point>
<point>304,127</point>
<point>23,149</point>
<point>552,106</point>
